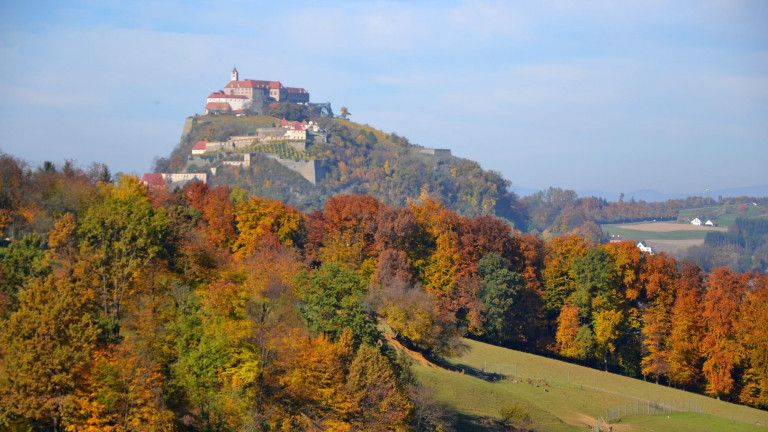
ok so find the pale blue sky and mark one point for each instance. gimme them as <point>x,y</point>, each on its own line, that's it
<point>598,95</point>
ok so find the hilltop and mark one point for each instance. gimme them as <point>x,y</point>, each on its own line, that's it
<point>346,158</point>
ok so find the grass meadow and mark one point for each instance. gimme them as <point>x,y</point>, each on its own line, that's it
<point>560,396</point>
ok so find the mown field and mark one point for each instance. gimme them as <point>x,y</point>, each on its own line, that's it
<point>561,396</point>
<point>670,237</point>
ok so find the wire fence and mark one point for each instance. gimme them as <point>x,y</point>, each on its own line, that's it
<point>635,406</point>
<point>649,407</point>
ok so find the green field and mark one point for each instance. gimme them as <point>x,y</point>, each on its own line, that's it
<point>561,396</point>
<point>637,235</point>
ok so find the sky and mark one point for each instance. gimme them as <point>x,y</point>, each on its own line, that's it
<point>596,96</point>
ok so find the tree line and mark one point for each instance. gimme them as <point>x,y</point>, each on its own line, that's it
<point>205,308</point>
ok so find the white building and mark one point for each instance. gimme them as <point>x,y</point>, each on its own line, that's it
<point>696,221</point>
<point>236,102</point>
<point>644,248</point>
<point>709,223</point>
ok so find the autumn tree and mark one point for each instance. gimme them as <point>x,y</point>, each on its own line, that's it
<point>722,301</point>
<point>574,339</point>
<point>687,327</point>
<point>266,222</point>
<point>559,281</point>
<point>119,237</point>
<point>45,348</point>
<point>752,335</point>
<point>599,299</point>
<point>374,388</point>
<point>659,277</point>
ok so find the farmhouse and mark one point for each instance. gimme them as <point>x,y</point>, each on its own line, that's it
<point>199,148</point>
<point>696,221</point>
<point>709,223</point>
<point>644,248</point>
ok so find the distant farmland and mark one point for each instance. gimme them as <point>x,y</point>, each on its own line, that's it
<point>667,237</point>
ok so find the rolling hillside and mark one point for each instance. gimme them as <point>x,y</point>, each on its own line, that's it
<point>357,159</point>
<point>561,396</point>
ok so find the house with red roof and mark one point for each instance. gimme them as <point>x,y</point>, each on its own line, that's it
<point>200,147</point>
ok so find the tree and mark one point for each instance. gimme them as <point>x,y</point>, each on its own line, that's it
<point>722,301</point>
<point>687,327</point>
<point>659,276</point>
<point>505,321</point>
<point>574,340</point>
<point>600,299</point>
<point>123,393</point>
<point>559,282</point>
<point>752,335</point>
<point>45,348</point>
<point>372,384</point>
<point>331,300</point>
<point>18,262</point>
<point>266,222</point>
<point>120,236</point>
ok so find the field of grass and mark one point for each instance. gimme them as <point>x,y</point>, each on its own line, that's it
<point>723,215</point>
<point>665,231</point>
<point>561,396</point>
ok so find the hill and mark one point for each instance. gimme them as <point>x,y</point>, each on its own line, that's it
<point>561,396</point>
<point>355,159</point>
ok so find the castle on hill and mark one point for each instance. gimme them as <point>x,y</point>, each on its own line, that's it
<point>241,96</point>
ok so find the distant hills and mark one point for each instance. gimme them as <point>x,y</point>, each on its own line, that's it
<point>652,195</point>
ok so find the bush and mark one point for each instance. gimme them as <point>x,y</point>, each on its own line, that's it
<point>515,414</point>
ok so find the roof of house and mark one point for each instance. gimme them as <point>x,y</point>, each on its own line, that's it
<point>221,94</point>
<point>153,179</point>
<point>200,145</point>
<point>275,85</point>
<point>217,106</point>
<point>253,84</point>
<point>295,90</point>
<point>293,124</point>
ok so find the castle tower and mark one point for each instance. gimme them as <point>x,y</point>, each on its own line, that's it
<point>235,76</point>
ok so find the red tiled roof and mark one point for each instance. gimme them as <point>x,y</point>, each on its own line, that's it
<point>275,85</point>
<point>220,94</point>
<point>200,145</point>
<point>295,90</point>
<point>218,106</point>
<point>153,179</point>
<point>248,84</point>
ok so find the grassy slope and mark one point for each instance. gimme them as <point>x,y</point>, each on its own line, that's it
<point>563,397</point>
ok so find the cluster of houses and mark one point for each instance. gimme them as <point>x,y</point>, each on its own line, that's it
<point>239,150</point>
<point>247,95</point>
<point>698,222</point>
<point>172,180</point>
<point>298,135</point>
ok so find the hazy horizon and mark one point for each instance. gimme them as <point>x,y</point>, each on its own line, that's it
<point>663,96</point>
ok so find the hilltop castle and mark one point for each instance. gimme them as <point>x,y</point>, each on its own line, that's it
<point>240,96</point>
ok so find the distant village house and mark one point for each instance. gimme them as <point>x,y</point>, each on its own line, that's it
<point>644,248</point>
<point>696,221</point>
